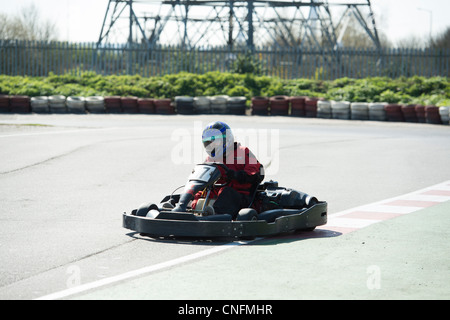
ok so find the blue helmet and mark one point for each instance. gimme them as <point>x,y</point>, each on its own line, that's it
<point>217,138</point>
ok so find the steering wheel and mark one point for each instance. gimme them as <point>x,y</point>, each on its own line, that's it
<point>218,185</point>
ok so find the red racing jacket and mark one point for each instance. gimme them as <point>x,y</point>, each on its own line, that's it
<point>242,159</point>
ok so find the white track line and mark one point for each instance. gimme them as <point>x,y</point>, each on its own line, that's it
<point>52,132</point>
<point>142,271</point>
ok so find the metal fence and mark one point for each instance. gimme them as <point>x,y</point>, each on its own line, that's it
<point>34,58</point>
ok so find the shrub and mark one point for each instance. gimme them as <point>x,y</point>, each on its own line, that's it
<point>435,90</point>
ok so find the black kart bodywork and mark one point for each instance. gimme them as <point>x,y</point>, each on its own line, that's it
<point>273,210</point>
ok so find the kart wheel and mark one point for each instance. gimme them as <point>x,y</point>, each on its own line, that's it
<point>247,214</point>
<point>145,208</point>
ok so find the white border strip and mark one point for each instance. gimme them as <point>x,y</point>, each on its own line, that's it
<point>383,205</point>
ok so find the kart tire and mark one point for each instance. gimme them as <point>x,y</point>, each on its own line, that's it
<point>247,214</point>
<point>145,208</point>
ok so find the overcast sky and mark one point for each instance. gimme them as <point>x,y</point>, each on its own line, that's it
<point>81,20</point>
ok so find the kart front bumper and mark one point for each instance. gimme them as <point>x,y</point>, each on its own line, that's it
<point>292,220</point>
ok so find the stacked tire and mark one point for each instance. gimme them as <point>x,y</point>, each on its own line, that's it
<point>394,112</point>
<point>260,106</point>
<point>146,106</point>
<point>340,110</point>
<point>39,104</point>
<point>311,107</point>
<point>420,113</point>
<point>432,115</point>
<point>359,111</point>
<point>279,105</point>
<point>219,104</point>
<point>376,111</point>
<point>57,104</point>
<point>113,104</point>
<point>324,109</point>
<point>163,106</point>
<point>236,105</point>
<point>76,105</point>
<point>129,105</point>
<point>298,106</point>
<point>409,113</point>
<point>184,105</point>
<point>20,104</point>
<point>202,105</point>
<point>444,112</point>
<point>95,104</point>
<point>4,103</point>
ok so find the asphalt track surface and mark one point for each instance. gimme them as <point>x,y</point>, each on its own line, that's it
<point>65,181</point>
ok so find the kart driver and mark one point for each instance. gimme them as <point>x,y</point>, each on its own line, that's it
<point>244,170</point>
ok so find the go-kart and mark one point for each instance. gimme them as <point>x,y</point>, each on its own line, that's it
<point>272,210</point>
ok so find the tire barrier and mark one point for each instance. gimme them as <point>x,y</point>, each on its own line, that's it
<point>219,104</point>
<point>20,104</point>
<point>39,104</point>
<point>409,113</point>
<point>95,104</point>
<point>202,105</point>
<point>311,107</point>
<point>260,106</point>
<point>324,109</point>
<point>76,104</point>
<point>129,104</point>
<point>164,106</point>
<point>394,112</point>
<point>376,111</point>
<point>113,104</point>
<point>444,112</point>
<point>236,105</point>
<point>184,105</point>
<point>340,110</point>
<point>432,115</point>
<point>280,105</point>
<point>298,106</point>
<point>359,111</point>
<point>57,104</point>
<point>420,113</point>
<point>146,106</point>
<point>4,103</point>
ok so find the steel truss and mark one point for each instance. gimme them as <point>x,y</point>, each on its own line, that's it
<point>235,24</point>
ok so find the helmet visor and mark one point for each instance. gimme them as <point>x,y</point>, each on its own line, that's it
<point>213,141</point>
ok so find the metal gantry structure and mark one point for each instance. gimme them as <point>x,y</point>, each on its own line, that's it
<point>318,24</point>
